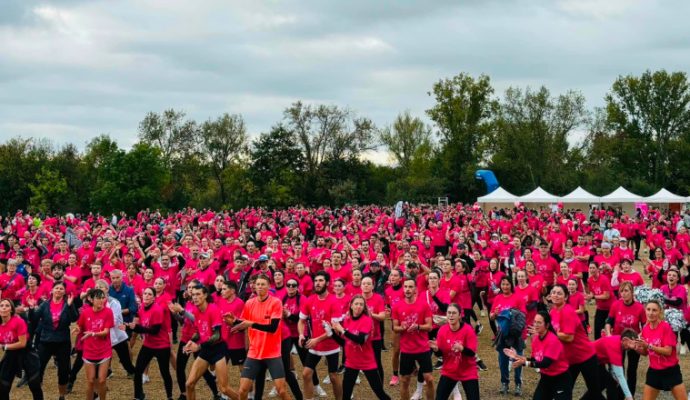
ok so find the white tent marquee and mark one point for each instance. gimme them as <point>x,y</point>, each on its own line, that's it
<point>539,195</point>
<point>498,196</point>
<point>580,196</point>
<point>621,195</point>
<point>663,196</point>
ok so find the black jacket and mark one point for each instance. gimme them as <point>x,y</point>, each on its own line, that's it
<point>42,320</point>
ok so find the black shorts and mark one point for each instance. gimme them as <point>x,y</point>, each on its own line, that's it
<point>664,379</point>
<point>252,367</point>
<point>408,361</point>
<point>212,354</point>
<point>236,356</point>
<point>332,359</point>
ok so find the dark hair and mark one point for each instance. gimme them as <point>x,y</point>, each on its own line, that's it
<point>231,285</point>
<point>60,283</point>
<point>37,277</point>
<point>628,333</point>
<point>563,288</point>
<point>456,306</point>
<point>547,320</point>
<point>96,294</point>
<point>12,310</point>
<point>262,276</point>
<point>323,274</point>
<point>151,289</point>
<point>510,281</point>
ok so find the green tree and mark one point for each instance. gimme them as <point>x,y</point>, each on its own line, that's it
<point>48,191</point>
<point>223,142</point>
<point>531,141</point>
<point>647,115</point>
<point>171,133</point>
<point>463,114</point>
<point>20,161</point>
<point>404,138</point>
<point>276,167</point>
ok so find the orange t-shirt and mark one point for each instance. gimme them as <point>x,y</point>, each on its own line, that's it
<point>263,345</point>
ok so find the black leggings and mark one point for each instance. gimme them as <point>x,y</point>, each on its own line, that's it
<point>122,350</point>
<point>378,347</point>
<point>476,297</point>
<point>285,349</point>
<point>48,350</point>
<point>302,353</point>
<point>599,322</point>
<point>589,370</point>
<point>182,359</point>
<point>146,354</point>
<point>15,361</point>
<point>446,385</point>
<point>467,314</point>
<point>76,367</point>
<point>557,387</point>
<point>372,375</point>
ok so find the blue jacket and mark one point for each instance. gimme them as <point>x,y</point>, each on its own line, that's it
<point>42,319</point>
<point>127,300</point>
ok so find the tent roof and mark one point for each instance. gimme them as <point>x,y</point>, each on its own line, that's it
<point>499,195</point>
<point>664,196</point>
<point>621,195</point>
<point>538,195</point>
<point>579,195</point>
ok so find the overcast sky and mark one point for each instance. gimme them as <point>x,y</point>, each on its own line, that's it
<point>70,70</point>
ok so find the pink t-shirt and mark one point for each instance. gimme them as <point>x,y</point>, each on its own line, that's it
<point>375,306</point>
<point>550,347</point>
<point>206,320</point>
<point>95,347</point>
<point>599,286</point>
<point>565,320</point>
<point>12,330</point>
<point>152,317</point>
<point>359,356</point>
<point>393,296</point>
<point>661,336</point>
<point>609,350</point>
<point>232,340</point>
<point>502,302</point>
<point>456,365</point>
<point>633,277</point>
<point>627,316</point>
<point>575,300</point>
<point>412,313</point>
<point>320,311</point>
<point>55,311</point>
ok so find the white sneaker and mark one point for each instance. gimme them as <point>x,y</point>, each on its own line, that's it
<point>273,392</point>
<point>327,380</point>
<point>250,396</point>
<point>358,381</point>
<point>268,377</point>
<point>145,379</point>
<point>418,393</point>
<point>683,349</point>
<point>320,392</point>
<point>294,350</point>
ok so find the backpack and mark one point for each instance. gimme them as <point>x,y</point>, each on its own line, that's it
<point>510,323</point>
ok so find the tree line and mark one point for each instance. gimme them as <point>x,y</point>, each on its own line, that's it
<point>314,155</point>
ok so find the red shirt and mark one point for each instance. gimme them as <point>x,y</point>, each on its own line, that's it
<point>393,296</point>
<point>151,317</point>
<point>359,356</point>
<point>96,348</point>
<point>205,321</point>
<point>565,320</point>
<point>408,314</point>
<point>600,286</point>
<point>456,365</point>
<point>661,336</point>
<point>12,330</point>
<point>320,311</point>
<point>546,267</point>
<point>550,347</point>
<point>11,285</point>
<point>375,306</point>
<point>625,316</point>
<point>609,350</point>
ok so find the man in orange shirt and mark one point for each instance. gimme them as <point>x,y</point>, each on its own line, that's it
<point>261,318</point>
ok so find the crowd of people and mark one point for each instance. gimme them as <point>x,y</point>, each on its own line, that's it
<point>254,291</point>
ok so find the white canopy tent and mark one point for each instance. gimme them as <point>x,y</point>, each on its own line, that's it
<point>539,196</point>
<point>498,198</point>
<point>663,196</point>
<point>579,199</point>
<point>622,198</point>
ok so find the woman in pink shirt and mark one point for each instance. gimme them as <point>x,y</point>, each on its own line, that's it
<point>548,354</point>
<point>13,340</point>
<point>354,335</point>
<point>94,324</point>
<point>457,343</point>
<point>658,341</point>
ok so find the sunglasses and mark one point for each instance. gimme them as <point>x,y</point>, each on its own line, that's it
<point>292,285</point>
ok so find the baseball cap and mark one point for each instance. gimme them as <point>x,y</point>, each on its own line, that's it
<point>263,258</point>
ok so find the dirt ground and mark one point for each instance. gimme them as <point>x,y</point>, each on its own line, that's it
<point>121,388</point>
